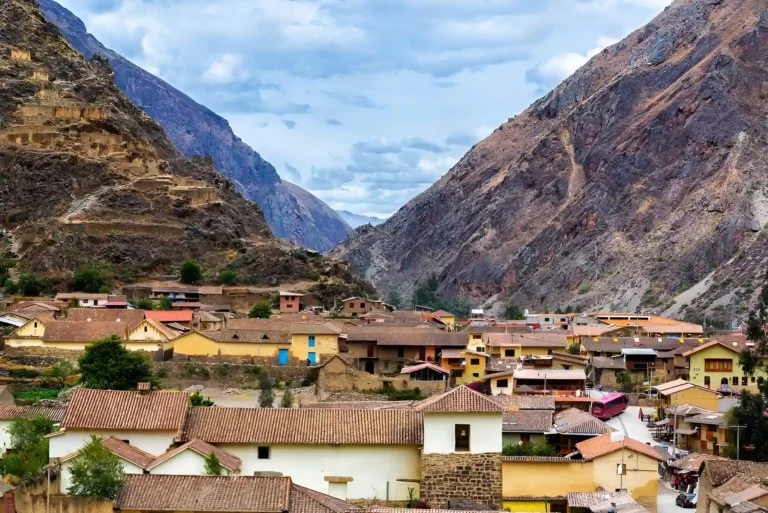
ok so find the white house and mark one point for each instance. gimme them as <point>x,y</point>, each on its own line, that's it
<point>83,299</point>
<point>133,460</point>
<point>10,413</point>
<point>189,460</point>
<point>149,421</point>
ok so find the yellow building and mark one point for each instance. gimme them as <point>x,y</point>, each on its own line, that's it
<point>310,341</point>
<point>229,342</point>
<point>28,334</point>
<point>716,365</point>
<point>705,432</point>
<point>474,367</point>
<point>680,391</point>
<point>612,465</point>
<point>446,318</point>
<point>515,345</point>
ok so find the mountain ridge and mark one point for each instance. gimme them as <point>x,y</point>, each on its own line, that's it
<point>632,182</point>
<point>355,220</point>
<point>197,130</point>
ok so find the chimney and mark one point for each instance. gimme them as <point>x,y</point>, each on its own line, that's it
<point>144,387</point>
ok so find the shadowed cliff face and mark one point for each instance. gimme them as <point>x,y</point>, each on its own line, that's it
<point>88,178</point>
<point>290,211</point>
<point>640,176</point>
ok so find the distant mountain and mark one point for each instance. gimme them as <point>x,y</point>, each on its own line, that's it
<point>290,211</point>
<point>355,220</point>
<point>638,184</point>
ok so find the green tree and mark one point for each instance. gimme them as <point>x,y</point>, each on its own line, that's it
<point>91,279</point>
<point>266,394</point>
<point>96,471</point>
<point>624,379</point>
<point>261,310</point>
<point>59,372</point>
<point>10,286</point>
<point>165,303</point>
<point>425,292</point>
<point>144,304</point>
<point>395,299</point>
<point>197,399</point>
<point>213,466</point>
<point>107,364</point>
<point>191,272</point>
<point>228,277</point>
<point>287,400</point>
<point>574,348</point>
<point>30,448</point>
<point>104,289</point>
<point>29,285</point>
<point>513,313</point>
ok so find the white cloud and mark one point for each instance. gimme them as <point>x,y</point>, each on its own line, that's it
<point>224,70</point>
<point>556,69</point>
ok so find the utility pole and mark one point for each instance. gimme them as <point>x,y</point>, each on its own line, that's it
<point>738,444</point>
<point>674,427</point>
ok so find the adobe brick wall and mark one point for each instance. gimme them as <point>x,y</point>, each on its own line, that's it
<point>474,477</point>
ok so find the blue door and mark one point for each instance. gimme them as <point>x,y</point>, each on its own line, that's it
<point>312,358</point>
<point>282,357</point>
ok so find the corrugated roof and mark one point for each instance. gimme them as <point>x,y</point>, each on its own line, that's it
<point>712,419</point>
<point>615,344</point>
<point>304,426</point>
<point>527,421</point>
<point>124,410</point>
<point>242,494</point>
<point>460,399</point>
<point>602,445</point>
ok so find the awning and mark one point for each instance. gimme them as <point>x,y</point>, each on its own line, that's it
<point>664,422</point>
<point>686,431</point>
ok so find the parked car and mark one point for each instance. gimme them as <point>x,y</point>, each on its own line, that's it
<point>686,500</point>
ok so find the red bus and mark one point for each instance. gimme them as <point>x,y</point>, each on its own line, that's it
<point>609,405</point>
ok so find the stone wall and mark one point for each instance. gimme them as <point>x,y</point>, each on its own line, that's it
<point>223,374</point>
<point>474,477</point>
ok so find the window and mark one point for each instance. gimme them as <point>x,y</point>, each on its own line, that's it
<point>476,337</point>
<point>145,329</point>
<point>509,353</point>
<point>400,352</point>
<point>289,305</point>
<point>744,381</point>
<point>35,324</point>
<point>735,381</point>
<point>567,367</point>
<point>479,349</point>
<point>502,383</point>
<point>474,361</point>
<point>706,381</point>
<point>311,341</point>
<point>724,381</point>
<point>362,305</point>
<point>462,437</point>
<point>753,379</point>
<point>126,442</point>
<point>718,365</point>
<point>263,453</point>
<point>475,375</point>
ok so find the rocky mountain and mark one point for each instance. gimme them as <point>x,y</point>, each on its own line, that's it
<point>638,183</point>
<point>291,212</point>
<point>87,177</point>
<point>355,220</point>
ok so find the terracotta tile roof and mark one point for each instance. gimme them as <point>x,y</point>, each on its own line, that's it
<point>297,328</point>
<point>741,487</point>
<point>242,494</point>
<point>606,362</point>
<point>420,366</point>
<point>736,347</point>
<point>498,328</point>
<point>412,337</point>
<point>116,409</point>
<point>602,445</point>
<point>587,499</point>
<point>594,330</point>
<point>527,421</point>
<point>686,409</point>
<point>66,296</point>
<point>362,405</point>
<point>400,510</point>
<point>304,426</point>
<point>82,331</point>
<point>167,332</point>
<point>719,471</point>
<point>169,315</point>
<point>577,422</point>
<point>680,327</point>
<point>526,402</point>
<point>533,339</point>
<point>204,449</point>
<point>304,500</point>
<point>615,345</point>
<point>711,418</point>
<point>453,353</point>
<point>33,306</point>
<point>129,317</point>
<point>121,450</point>
<point>442,313</point>
<point>693,462</point>
<point>538,459</point>
<point>249,336</point>
<point>55,414</point>
<point>460,399</point>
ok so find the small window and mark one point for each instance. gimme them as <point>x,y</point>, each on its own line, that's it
<point>753,379</point>
<point>35,324</point>
<point>476,337</point>
<point>474,361</point>
<point>462,437</point>
<point>145,329</point>
<point>706,381</point>
<point>744,381</point>
<point>502,383</point>
<point>475,375</point>
<point>362,305</point>
<point>400,352</point>
<point>509,353</point>
<point>263,453</point>
<point>735,380</point>
<point>126,442</point>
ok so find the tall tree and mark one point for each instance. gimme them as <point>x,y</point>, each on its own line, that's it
<point>261,310</point>
<point>513,313</point>
<point>91,279</point>
<point>96,472</point>
<point>30,448</point>
<point>191,272</point>
<point>395,299</point>
<point>107,364</point>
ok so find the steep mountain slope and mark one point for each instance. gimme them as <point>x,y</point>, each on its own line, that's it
<point>639,177</point>
<point>355,220</point>
<point>291,212</point>
<point>86,177</point>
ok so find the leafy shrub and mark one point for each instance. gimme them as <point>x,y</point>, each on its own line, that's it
<point>91,279</point>
<point>228,277</point>
<point>191,272</point>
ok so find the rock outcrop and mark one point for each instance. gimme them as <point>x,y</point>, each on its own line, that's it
<point>291,212</point>
<point>86,177</point>
<point>638,183</point>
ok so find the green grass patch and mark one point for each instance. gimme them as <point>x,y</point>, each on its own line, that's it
<point>37,394</point>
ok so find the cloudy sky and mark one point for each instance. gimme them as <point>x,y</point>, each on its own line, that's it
<point>363,102</point>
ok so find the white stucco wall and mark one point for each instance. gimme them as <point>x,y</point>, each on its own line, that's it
<point>5,438</point>
<point>153,442</point>
<point>186,463</point>
<point>440,432</point>
<point>496,390</point>
<point>370,466</point>
<point>66,476</point>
